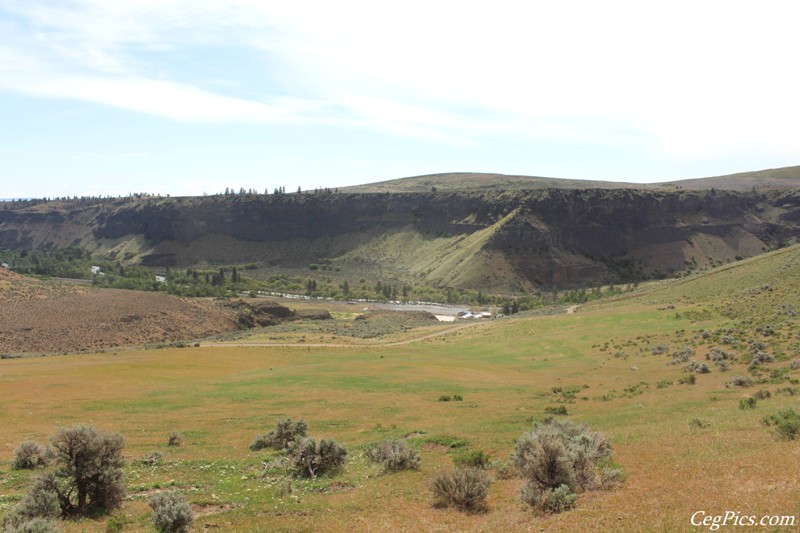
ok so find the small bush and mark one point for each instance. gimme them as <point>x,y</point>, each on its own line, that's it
<point>548,500</point>
<point>560,410</point>
<point>762,395</point>
<point>445,398</point>
<point>474,458</point>
<point>29,455</point>
<point>663,384</point>
<point>505,469</point>
<point>312,459</point>
<point>174,439</point>
<point>691,379</point>
<point>41,501</point>
<point>171,513</point>
<point>458,398</point>
<point>659,349</point>
<point>152,458</point>
<point>747,403</point>
<point>786,423</point>
<point>14,523</point>
<point>760,358</point>
<point>697,423</point>
<point>464,488</point>
<point>740,381</point>
<point>285,436</point>
<point>394,455</point>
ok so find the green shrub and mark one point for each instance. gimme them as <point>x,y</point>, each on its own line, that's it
<point>29,455</point>
<point>394,455</point>
<point>285,436</point>
<point>786,423</point>
<point>696,423</point>
<point>473,458</point>
<point>458,398</point>
<point>171,513</point>
<point>747,403</point>
<point>445,398</point>
<point>464,488</point>
<point>560,410</point>
<point>312,459</point>
<point>548,500</point>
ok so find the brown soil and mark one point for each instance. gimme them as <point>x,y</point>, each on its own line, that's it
<point>49,317</point>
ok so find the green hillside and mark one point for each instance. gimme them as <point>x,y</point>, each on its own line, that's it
<point>688,439</point>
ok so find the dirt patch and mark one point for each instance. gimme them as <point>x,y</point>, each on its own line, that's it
<point>207,509</point>
<point>51,317</point>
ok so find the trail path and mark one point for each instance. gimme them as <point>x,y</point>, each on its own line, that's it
<point>447,331</point>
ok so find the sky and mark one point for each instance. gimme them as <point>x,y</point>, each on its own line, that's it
<point>186,97</point>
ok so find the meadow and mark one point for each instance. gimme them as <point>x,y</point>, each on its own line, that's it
<point>684,447</point>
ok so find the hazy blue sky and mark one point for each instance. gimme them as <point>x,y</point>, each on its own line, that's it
<point>192,96</point>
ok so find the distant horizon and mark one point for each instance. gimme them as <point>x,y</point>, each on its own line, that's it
<point>293,190</point>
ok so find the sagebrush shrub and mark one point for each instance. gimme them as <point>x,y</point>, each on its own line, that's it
<point>285,436</point>
<point>13,523</point>
<point>740,381</point>
<point>174,439</point>
<point>394,455</point>
<point>786,423</point>
<point>171,513</point>
<point>761,358</point>
<point>560,453</point>
<point>30,454</point>
<point>312,459</point>
<point>42,499</point>
<point>88,476</point>
<point>548,500</point>
<point>464,488</point>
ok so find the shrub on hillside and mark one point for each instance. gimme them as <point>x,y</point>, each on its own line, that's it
<point>786,423</point>
<point>740,381</point>
<point>473,458</point>
<point>312,459</point>
<point>88,478</point>
<point>171,513</point>
<point>761,358</point>
<point>29,455</point>
<point>286,435</point>
<point>561,453</point>
<point>13,523</point>
<point>174,439</point>
<point>464,488</point>
<point>394,455</point>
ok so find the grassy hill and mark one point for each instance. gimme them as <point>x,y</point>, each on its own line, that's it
<point>685,447</point>
<point>769,179</point>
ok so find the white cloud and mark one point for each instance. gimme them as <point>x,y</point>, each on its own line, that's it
<point>690,78</point>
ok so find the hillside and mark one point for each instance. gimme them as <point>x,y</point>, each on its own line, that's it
<point>769,179</point>
<point>51,317</point>
<point>499,241</point>
<point>687,437</point>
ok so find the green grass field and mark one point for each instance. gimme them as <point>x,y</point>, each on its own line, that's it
<point>598,363</point>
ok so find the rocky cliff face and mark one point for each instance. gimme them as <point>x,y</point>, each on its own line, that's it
<point>496,240</point>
